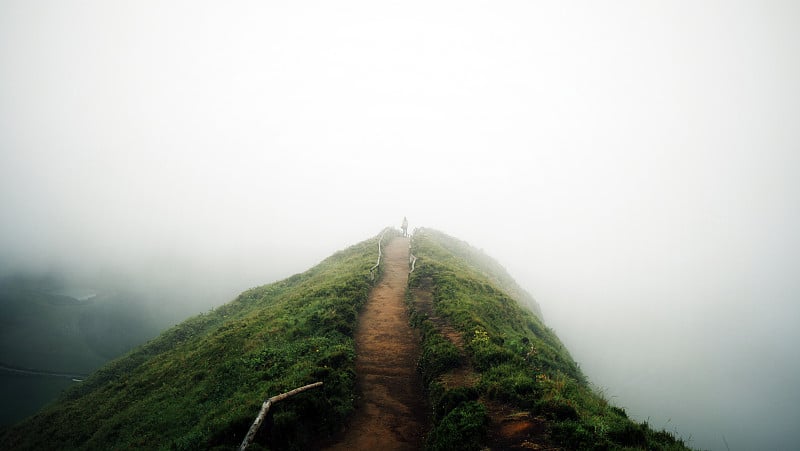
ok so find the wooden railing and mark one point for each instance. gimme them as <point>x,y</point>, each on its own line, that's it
<point>412,259</point>
<point>262,414</point>
<point>380,254</point>
<point>251,434</point>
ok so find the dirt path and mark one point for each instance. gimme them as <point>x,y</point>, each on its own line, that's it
<point>391,412</point>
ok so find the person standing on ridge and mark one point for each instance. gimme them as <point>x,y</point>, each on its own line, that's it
<point>405,226</point>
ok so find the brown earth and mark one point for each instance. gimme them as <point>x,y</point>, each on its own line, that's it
<point>512,429</point>
<point>390,414</point>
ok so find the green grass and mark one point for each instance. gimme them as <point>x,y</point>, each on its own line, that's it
<point>518,359</point>
<point>463,428</point>
<point>200,384</point>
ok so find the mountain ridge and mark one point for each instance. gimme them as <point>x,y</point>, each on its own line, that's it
<point>199,384</point>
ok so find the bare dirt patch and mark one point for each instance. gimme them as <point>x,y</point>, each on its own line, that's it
<point>513,429</point>
<point>390,414</point>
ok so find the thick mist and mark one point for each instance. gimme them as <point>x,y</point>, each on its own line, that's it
<point>633,165</point>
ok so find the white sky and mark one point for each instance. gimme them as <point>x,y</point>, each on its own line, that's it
<point>634,164</point>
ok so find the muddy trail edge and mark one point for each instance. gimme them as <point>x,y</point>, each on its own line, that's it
<point>390,415</point>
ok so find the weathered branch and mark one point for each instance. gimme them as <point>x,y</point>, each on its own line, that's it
<point>251,434</point>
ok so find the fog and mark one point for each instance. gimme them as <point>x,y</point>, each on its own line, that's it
<point>634,165</point>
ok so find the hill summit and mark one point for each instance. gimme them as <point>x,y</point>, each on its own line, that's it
<point>475,366</point>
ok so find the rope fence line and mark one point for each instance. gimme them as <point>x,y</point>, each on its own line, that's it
<point>380,254</point>
<point>412,259</point>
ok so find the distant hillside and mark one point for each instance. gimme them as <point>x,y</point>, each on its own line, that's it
<point>51,331</point>
<point>487,362</point>
<point>47,327</point>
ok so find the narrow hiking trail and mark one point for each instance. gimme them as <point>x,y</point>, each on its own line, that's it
<point>390,414</point>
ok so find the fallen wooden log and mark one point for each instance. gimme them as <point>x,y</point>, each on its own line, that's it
<point>251,434</point>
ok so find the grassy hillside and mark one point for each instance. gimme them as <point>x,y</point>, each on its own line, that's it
<point>200,384</point>
<point>502,357</point>
<point>468,257</point>
<point>484,357</point>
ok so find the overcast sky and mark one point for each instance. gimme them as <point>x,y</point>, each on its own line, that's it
<point>633,164</point>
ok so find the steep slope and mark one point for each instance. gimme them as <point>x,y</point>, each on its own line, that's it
<point>199,385</point>
<point>496,376</point>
